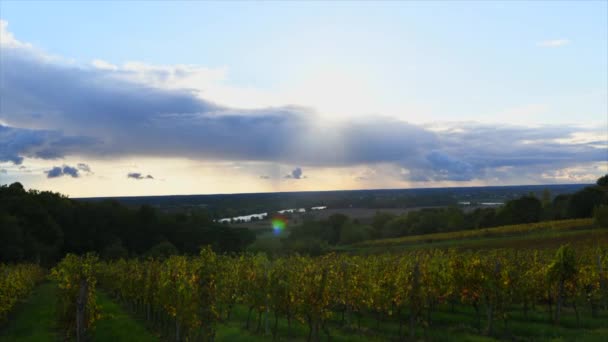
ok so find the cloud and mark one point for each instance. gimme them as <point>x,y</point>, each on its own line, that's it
<point>295,174</point>
<point>84,167</point>
<point>55,172</point>
<point>119,117</point>
<point>264,177</point>
<point>51,109</point>
<point>8,39</point>
<point>3,171</point>
<point>138,176</point>
<point>16,143</point>
<point>553,43</point>
<point>65,170</point>
<point>72,171</point>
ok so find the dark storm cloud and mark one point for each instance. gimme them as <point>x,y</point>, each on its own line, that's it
<point>54,172</point>
<point>65,170</point>
<point>54,109</point>
<point>138,176</point>
<point>71,171</point>
<point>16,143</point>
<point>84,167</point>
<point>126,118</point>
<point>473,151</point>
<point>295,174</point>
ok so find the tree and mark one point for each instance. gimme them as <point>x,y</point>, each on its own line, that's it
<point>11,239</point>
<point>600,216</point>
<point>115,251</point>
<point>352,233</point>
<point>584,201</point>
<point>336,223</point>
<point>559,207</point>
<point>526,209</point>
<point>546,199</point>
<point>603,181</point>
<point>162,250</point>
<point>379,222</point>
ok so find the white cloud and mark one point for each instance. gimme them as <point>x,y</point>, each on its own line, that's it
<point>553,43</point>
<point>576,174</point>
<point>7,39</point>
<point>103,65</point>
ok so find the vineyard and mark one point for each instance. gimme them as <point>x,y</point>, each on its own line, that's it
<point>16,282</point>
<point>389,296</point>
<point>188,298</point>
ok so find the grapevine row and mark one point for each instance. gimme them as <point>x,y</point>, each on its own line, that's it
<point>190,295</point>
<point>76,278</point>
<point>187,297</point>
<point>16,282</point>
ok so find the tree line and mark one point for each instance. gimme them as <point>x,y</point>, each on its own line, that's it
<point>42,226</point>
<point>317,236</point>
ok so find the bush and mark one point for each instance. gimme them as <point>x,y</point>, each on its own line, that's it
<point>115,251</point>
<point>162,250</point>
<point>353,233</point>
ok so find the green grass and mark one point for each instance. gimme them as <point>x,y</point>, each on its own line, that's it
<point>537,240</point>
<point>511,230</point>
<point>34,319</point>
<point>116,325</point>
<point>460,325</point>
<point>549,234</point>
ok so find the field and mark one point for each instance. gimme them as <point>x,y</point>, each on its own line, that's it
<point>498,237</point>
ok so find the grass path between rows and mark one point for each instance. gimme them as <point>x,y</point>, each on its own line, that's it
<point>116,325</point>
<point>35,320</point>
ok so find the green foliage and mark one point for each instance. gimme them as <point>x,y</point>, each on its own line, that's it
<point>11,239</point>
<point>603,181</point>
<point>526,209</point>
<point>16,282</point>
<point>162,250</point>
<point>270,246</point>
<point>379,221</point>
<point>44,226</point>
<point>584,201</point>
<point>75,276</point>
<point>307,246</point>
<point>353,233</point>
<point>195,294</point>
<point>523,210</point>
<point>115,251</point>
<point>563,267</point>
<point>600,216</point>
<point>508,230</point>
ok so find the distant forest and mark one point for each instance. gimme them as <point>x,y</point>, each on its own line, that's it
<point>231,205</point>
<point>318,236</point>
<point>44,226</point>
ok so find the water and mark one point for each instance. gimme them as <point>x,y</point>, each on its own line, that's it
<point>260,216</point>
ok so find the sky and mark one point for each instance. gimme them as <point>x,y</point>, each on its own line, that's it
<point>152,98</point>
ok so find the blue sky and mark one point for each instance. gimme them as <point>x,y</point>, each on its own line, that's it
<point>448,70</point>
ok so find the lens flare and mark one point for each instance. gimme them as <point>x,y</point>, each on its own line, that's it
<point>279,222</point>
